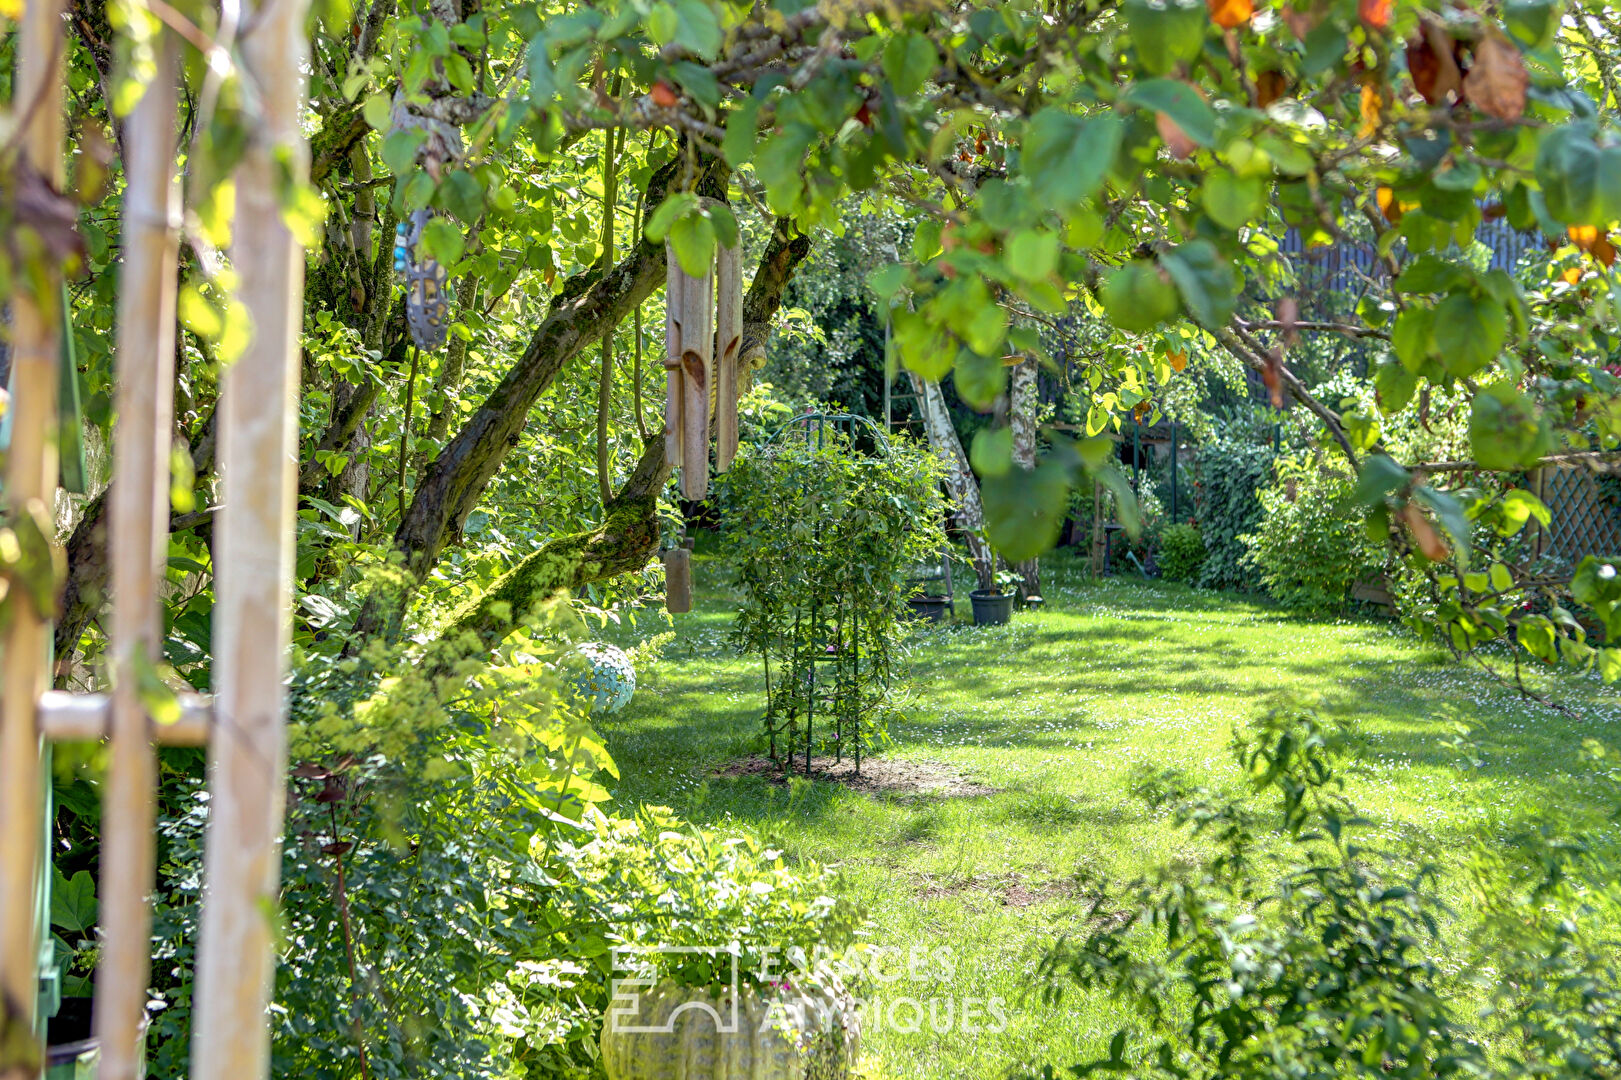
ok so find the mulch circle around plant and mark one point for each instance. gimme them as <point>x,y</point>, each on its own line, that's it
<point>878,776</point>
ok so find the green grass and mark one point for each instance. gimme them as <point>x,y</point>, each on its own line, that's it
<point>1057,711</point>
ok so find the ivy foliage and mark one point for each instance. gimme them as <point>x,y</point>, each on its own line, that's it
<point>1233,470</point>
<point>1181,554</point>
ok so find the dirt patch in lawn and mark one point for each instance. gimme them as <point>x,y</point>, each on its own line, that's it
<point>878,776</point>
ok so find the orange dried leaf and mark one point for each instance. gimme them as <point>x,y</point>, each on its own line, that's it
<point>1375,14</point>
<point>1177,359</point>
<point>1572,275</point>
<point>1388,204</point>
<point>1425,538</point>
<point>1176,140</point>
<point>1371,107</point>
<point>1269,87</point>
<point>1497,80</point>
<point>1228,14</point>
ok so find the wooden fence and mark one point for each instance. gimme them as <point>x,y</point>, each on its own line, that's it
<point>243,725</point>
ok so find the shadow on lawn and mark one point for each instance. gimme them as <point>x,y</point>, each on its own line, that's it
<point>1035,683</point>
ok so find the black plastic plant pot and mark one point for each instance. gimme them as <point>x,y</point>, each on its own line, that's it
<point>932,609</point>
<point>991,609</point>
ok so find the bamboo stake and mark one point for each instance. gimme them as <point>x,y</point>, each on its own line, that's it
<point>140,520</point>
<point>258,434</point>
<point>30,482</point>
<point>728,343</point>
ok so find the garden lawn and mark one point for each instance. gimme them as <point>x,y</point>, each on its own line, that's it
<point>1060,712</point>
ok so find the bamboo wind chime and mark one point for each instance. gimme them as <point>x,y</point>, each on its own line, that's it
<point>703,339</point>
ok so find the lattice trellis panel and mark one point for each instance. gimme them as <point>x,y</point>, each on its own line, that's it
<point>1583,521</point>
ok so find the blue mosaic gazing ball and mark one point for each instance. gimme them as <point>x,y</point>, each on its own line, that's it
<point>609,680</point>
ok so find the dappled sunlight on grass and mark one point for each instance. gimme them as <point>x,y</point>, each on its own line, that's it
<point>1061,712</point>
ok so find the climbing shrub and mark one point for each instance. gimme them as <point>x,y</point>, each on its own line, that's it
<point>821,537</point>
<point>1307,548</point>
<point>1181,552</point>
<point>1232,471</point>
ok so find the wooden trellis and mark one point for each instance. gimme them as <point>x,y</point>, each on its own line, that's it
<point>243,724</point>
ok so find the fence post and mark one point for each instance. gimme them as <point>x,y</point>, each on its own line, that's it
<point>258,433</point>
<point>139,511</point>
<point>36,329</point>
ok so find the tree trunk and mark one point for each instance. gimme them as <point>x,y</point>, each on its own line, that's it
<point>1023,402</point>
<point>959,477</point>
<point>629,534</point>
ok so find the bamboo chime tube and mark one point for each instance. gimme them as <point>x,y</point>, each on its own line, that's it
<point>140,520</point>
<point>677,580</point>
<point>36,325</point>
<point>253,588</point>
<point>728,343</point>
<point>695,334</point>
<point>703,340</point>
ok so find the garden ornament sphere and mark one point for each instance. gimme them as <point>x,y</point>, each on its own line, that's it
<point>609,679</point>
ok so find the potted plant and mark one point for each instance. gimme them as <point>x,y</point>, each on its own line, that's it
<point>927,608</point>
<point>726,962</point>
<point>994,606</point>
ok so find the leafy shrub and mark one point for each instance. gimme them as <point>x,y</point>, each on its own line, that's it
<point>1307,548</point>
<point>1232,471</point>
<point>1324,959</point>
<point>449,888</point>
<point>1181,552</point>
<point>653,881</point>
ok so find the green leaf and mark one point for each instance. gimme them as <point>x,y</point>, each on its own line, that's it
<point>460,73</point>
<point>1469,333</point>
<point>1067,157</point>
<point>1502,580</point>
<point>886,281</point>
<point>1136,298</point>
<point>671,210</point>
<point>1181,103</point>
<point>923,347</point>
<point>400,149</point>
<point>1024,510</point>
<point>444,241</point>
<point>1208,283</point>
<point>1380,478</point>
<point>1393,386</point>
<point>909,60</point>
<point>462,195</point>
<point>738,145</point>
<point>1567,167</point>
<point>698,81</point>
<point>992,452</point>
<point>1412,337</point>
<point>377,110</point>
<point>1506,431</point>
<point>1165,35</point>
<point>663,23</point>
<point>1520,506</point>
<point>1232,202</point>
<point>1429,274</point>
<point>979,380</point>
<point>697,29</point>
<point>1032,254</point>
<point>73,901</point>
<point>692,238</point>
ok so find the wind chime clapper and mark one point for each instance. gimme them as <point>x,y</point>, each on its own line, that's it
<point>704,336</point>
